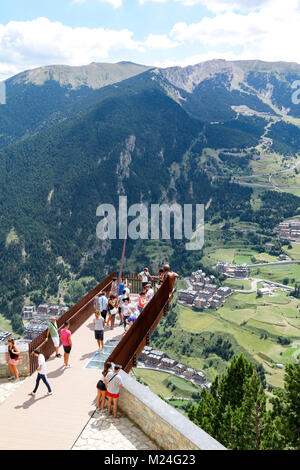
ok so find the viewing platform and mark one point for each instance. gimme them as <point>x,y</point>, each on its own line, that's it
<point>67,420</point>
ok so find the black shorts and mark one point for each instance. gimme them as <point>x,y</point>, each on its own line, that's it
<point>120,309</point>
<point>144,284</point>
<point>103,314</point>
<point>101,386</point>
<point>67,349</point>
<point>99,335</point>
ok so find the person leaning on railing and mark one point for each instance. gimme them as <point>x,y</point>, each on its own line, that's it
<point>54,333</point>
<point>12,356</point>
<point>113,382</point>
<point>101,389</point>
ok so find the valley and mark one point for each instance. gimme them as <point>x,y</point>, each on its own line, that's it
<point>220,133</point>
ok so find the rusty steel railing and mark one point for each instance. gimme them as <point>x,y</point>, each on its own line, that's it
<point>77,315</point>
<point>138,335</point>
<point>136,283</point>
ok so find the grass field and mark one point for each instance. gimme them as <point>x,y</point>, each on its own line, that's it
<point>255,323</point>
<point>5,324</point>
<point>240,284</point>
<point>278,273</point>
<point>157,381</point>
<point>293,253</point>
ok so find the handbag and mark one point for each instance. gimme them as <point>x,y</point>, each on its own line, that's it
<point>113,311</point>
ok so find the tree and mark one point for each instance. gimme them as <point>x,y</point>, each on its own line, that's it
<point>286,408</point>
<point>234,411</point>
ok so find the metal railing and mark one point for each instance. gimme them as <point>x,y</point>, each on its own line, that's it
<point>138,336</point>
<point>136,283</point>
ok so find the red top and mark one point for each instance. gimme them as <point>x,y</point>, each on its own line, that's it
<point>65,335</point>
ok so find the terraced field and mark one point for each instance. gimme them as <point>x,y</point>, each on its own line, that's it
<point>256,324</point>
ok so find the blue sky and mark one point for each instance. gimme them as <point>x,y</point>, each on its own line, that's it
<point>154,32</point>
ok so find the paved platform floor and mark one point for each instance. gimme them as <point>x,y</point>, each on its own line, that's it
<point>57,421</point>
<point>103,432</point>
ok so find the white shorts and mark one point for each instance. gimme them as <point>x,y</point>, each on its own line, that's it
<point>55,340</point>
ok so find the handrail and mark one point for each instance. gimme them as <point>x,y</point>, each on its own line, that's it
<point>77,315</point>
<point>138,335</point>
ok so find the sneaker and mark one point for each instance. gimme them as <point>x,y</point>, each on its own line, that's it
<point>49,393</point>
<point>58,355</point>
<point>11,378</point>
<point>68,366</point>
<point>31,394</point>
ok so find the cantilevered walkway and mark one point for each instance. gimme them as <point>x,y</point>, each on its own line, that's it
<point>62,421</point>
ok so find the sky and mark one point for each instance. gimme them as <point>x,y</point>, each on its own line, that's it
<point>160,33</point>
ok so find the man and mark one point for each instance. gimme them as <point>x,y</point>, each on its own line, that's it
<point>144,276</point>
<point>41,373</point>
<point>67,343</point>
<point>113,382</point>
<point>120,306</point>
<point>99,330</point>
<point>125,311</point>
<point>53,332</point>
<point>103,301</point>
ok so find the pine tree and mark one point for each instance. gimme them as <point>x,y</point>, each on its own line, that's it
<point>286,408</point>
<point>234,412</point>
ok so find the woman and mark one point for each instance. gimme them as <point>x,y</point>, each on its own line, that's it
<point>112,310</point>
<point>14,355</point>
<point>65,335</point>
<point>101,388</point>
<point>142,301</point>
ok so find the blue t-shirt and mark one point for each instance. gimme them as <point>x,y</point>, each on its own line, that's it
<point>121,288</point>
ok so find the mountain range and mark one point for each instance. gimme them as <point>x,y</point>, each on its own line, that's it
<point>72,138</point>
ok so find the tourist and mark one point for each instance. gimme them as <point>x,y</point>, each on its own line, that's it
<point>127,289</point>
<point>41,373</point>
<point>120,304</point>
<point>103,301</point>
<point>134,313</point>
<point>160,277</point>
<point>121,288</point>
<point>13,356</point>
<point>144,276</point>
<point>125,311</point>
<point>65,335</point>
<point>101,388</point>
<point>114,286</point>
<point>53,332</point>
<point>149,292</point>
<point>112,310</point>
<point>141,301</point>
<point>98,324</point>
<point>113,382</point>
<point>97,304</point>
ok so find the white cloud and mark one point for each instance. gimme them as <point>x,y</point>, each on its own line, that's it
<point>272,33</point>
<point>114,3</point>
<point>218,6</point>
<point>29,44</point>
<point>159,41</point>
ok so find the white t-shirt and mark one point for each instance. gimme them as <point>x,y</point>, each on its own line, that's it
<point>127,291</point>
<point>149,294</point>
<point>126,310</point>
<point>42,362</point>
<point>145,276</point>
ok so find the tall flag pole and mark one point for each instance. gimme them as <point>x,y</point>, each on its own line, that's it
<point>122,261</point>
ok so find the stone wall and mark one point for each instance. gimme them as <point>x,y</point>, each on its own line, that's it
<point>23,365</point>
<point>168,428</point>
